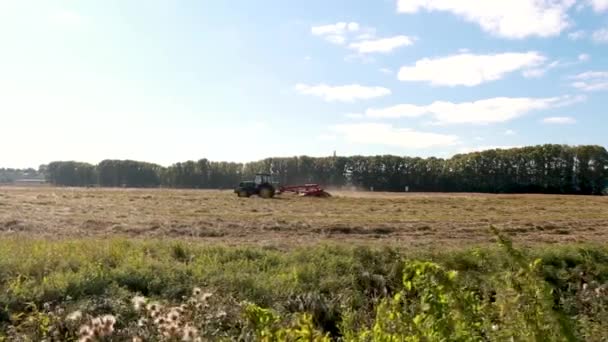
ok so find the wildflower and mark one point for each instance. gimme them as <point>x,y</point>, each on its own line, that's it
<point>153,307</point>
<point>494,327</point>
<point>196,291</point>
<point>84,331</point>
<point>142,322</point>
<point>97,332</point>
<point>137,339</point>
<point>585,285</point>
<point>96,323</point>
<point>182,308</point>
<point>206,295</point>
<point>173,315</point>
<point>108,325</point>
<point>107,330</point>
<point>108,320</point>
<point>86,339</point>
<point>74,316</point>
<point>138,302</point>
<point>172,329</point>
<point>190,333</point>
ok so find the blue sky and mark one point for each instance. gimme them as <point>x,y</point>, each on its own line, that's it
<point>242,80</point>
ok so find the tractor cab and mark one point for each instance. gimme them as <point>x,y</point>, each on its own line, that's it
<point>263,178</point>
<point>262,186</point>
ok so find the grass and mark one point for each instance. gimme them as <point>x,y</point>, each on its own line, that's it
<point>100,276</point>
<point>342,260</point>
<point>412,220</point>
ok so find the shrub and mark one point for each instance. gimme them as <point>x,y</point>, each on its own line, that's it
<point>58,291</point>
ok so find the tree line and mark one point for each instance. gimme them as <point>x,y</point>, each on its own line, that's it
<point>11,175</point>
<point>558,169</point>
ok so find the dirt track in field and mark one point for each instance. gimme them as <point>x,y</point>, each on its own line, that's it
<point>412,219</point>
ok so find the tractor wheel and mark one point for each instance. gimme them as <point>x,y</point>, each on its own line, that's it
<point>266,192</point>
<point>243,193</point>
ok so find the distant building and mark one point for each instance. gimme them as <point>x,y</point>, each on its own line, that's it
<point>30,182</point>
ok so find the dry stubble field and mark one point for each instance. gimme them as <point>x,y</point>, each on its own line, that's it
<point>413,219</point>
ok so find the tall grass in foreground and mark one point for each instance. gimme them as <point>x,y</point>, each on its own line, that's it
<point>163,291</point>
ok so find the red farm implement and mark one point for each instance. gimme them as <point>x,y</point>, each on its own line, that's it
<point>312,190</point>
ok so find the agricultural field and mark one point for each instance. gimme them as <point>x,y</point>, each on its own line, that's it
<point>406,220</point>
<point>358,266</point>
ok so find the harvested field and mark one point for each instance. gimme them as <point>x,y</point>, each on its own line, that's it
<point>412,219</point>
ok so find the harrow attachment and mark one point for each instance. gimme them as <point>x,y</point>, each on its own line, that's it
<point>308,190</point>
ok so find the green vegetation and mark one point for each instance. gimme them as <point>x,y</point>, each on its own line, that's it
<point>322,293</point>
<point>556,169</point>
<point>71,173</point>
<point>9,176</point>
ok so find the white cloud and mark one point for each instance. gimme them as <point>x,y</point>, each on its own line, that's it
<point>385,134</point>
<point>591,81</point>
<point>561,120</point>
<point>386,71</point>
<point>510,19</point>
<point>469,69</point>
<point>360,39</point>
<point>382,45</point>
<point>580,6</point>
<point>534,73</point>
<point>342,32</point>
<point>335,29</point>
<point>599,5</point>
<point>398,111</point>
<point>583,57</point>
<point>500,109</point>
<point>600,36</point>
<point>577,35</point>
<point>353,27</point>
<point>539,72</point>
<point>493,110</point>
<point>591,75</point>
<point>568,100</point>
<point>335,33</point>
<point>345,93</point>
<point>335,39</point>
<point>368,35</point>
<point>357,57</point>
<point>510,132</point>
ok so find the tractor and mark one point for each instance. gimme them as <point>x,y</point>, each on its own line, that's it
<point>262,186</point>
